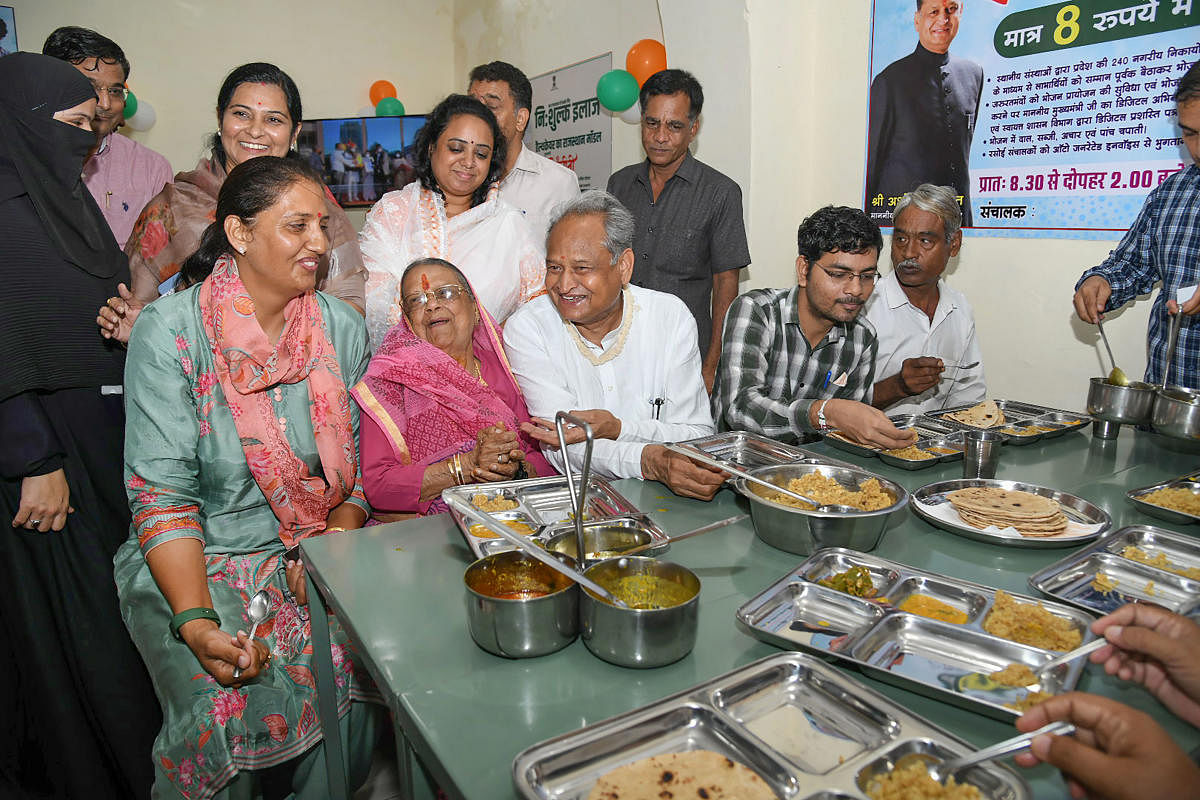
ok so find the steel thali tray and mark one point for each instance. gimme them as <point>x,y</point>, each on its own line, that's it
<point>751,450</point>
<point>544,505</point>
<point>1019,415</point>
<point>943,660</point>
<point>930,433</point>
<point>809,731</point>
<point>1085,520</point>
<point>1072,579</point>
<point>1190,482</point>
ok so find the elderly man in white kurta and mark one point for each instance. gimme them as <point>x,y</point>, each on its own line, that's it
<point>621,357</point>
<point>929,355</point>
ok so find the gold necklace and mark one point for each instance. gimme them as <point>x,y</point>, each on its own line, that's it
<point>608,355</point>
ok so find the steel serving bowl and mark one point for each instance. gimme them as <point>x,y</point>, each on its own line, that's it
<point>602,539</point>
<point>1177,412</point>
<point>640,637</point>
<point>1130,405</point>
<point>803,532</point>
<point>518,607</point>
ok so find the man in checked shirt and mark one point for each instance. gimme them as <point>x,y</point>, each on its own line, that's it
<point>800,360</point>
<point>1162,245</point>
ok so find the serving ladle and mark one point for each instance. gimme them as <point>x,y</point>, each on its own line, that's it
<point>1117,377</point>
<point>258,610</point>
<point>725,466</point>
<point>703,529</point>
<point>940,771</point>
<point>476,516</point>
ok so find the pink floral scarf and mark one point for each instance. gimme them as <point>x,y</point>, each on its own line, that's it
<point>427,404</point>
<point>247,366</point>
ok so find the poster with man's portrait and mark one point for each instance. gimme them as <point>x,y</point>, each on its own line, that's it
<point>1048,119</point>
<point>8,31</point>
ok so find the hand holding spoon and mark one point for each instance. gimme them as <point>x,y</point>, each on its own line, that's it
<point>258,609</point>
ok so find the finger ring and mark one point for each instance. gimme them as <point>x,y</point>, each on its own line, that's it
<point>502,458</point>
<point>35,522</point>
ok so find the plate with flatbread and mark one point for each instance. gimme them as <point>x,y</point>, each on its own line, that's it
<point>1010,513</point>
<point>981,415</point>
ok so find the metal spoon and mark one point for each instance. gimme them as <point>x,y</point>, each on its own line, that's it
<point>258,610</point>
<point>704,458</point>
<point>972,365</point>
<point>1116,377</point>
<point>1071,655</point>
<point>1176,321</point>
<point>946,769</point>
<point>712,526</point>
<point>529,548</point>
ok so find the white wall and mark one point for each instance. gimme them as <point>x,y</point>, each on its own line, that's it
<point>181,50</point>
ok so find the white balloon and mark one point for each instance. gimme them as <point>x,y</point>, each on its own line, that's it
<point>145,117</point>
<point>366,111</point>
<point>633,114</point>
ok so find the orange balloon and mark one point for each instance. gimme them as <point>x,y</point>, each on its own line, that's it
<point>646,58</point>
<point>380,90</point>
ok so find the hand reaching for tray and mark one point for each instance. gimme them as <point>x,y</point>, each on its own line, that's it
<point>1156,648</point>
<point>1117,752</point>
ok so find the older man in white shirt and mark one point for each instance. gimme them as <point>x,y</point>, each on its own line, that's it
<point>929,355</point>
<point>621,357</point>
<point>533,184</point>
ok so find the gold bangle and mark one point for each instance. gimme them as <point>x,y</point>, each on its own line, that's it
<point>335,528</point>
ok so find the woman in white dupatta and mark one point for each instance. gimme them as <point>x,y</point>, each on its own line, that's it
<point>453,212</point>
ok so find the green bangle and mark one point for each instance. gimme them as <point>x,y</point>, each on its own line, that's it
<point>184,617</point>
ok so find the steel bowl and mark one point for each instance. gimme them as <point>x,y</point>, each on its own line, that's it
<point>602,539</point>
<point>518,607</point>
<point>640,637</point>
<point>1177,412</point>
<point>803,532</point>
<point>1129,405</point>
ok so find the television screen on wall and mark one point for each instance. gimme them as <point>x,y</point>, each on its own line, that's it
<point>361,158</point>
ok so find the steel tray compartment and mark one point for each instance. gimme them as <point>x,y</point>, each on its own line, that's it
<point>909,463</point>
<point>616,534</point>
<point>953,441</point>
<point>813,617</point>
<point>1162,512</point>
<point>1019,434</point>
<point>1070,579</point>
<point>815,723</point>
<point>794,612</point>
<point>748,450</point>
<point>836,439</point>
<point>543,501</point>
<point>950,662</point>
<point>993,785</point>
<point>807,729</point>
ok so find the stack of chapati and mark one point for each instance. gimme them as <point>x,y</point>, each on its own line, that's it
<point>692,774</point>
<point>1030,514</point>
<point>982,415</point>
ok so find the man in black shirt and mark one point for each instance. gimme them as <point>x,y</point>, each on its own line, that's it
<point>690,239</point>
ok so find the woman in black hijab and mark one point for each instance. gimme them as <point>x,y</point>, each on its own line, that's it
<point>85,715</point>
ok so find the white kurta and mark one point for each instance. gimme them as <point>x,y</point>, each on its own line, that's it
<point>659,362</point>
<point>905,331</point>
<point>491,244</point>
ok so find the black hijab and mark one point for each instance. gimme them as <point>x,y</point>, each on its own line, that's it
<point>59,261</point>
<point>49,157</point>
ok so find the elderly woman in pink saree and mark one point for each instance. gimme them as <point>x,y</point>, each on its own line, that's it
<point>440,405</point>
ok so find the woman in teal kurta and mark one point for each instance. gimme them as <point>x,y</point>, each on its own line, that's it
<point>232,453</point>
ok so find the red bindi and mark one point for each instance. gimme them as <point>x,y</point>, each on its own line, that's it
<point>424,282</point>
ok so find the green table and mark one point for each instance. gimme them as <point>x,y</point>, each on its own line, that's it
<point>465,713</point>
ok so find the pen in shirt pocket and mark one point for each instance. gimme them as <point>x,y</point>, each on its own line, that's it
<point>828,377</point>
<point>658,403</point>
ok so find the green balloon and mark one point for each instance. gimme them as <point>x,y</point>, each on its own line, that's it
<point>130,104</point>
<point>617,90</point>
<point>389,107</point>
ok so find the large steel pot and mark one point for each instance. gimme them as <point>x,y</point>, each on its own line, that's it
<point>802,532</point>
<point>640,637</point>
<point>1114,406</point>
<point>1177,413</point>
<point>518,607</point>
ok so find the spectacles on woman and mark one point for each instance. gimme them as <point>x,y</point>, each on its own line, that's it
<point>444,294</point>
